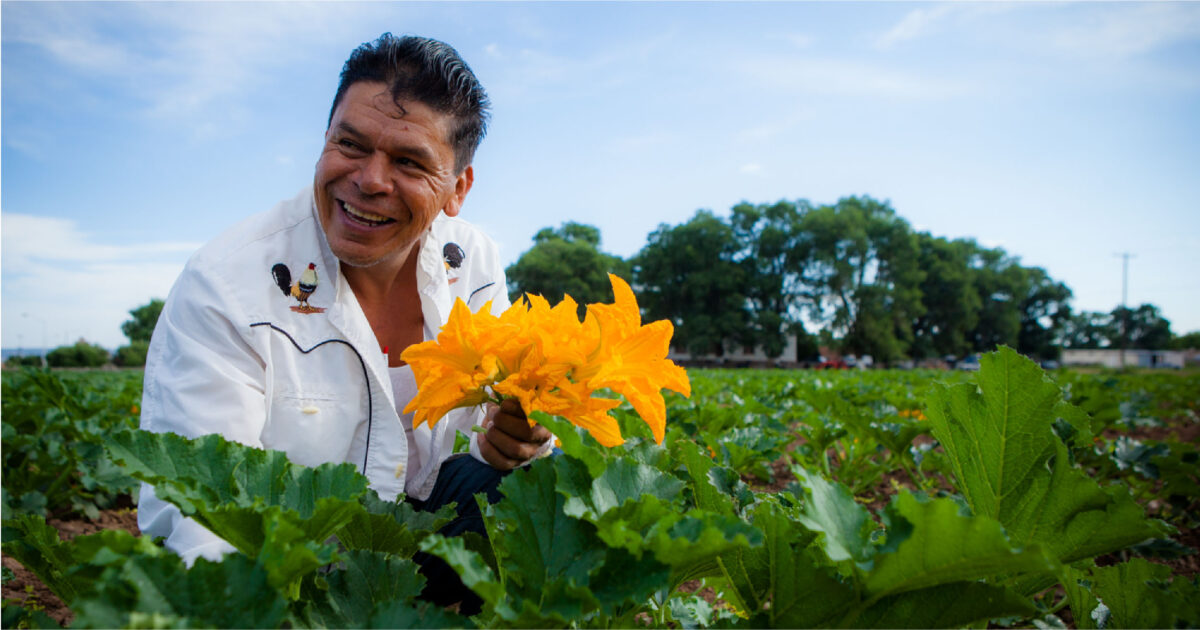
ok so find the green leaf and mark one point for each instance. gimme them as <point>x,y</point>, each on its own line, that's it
<point>783,583</point>
<point>233,593</point>
<point>621,482</point>
<point>633,507</point>
<point>367,583</point>
<point>697,462</point>
<point>575,442</point>
<point>545,556</point>
<point>400,614</point>
<point>16,616</point>
<point>1133,594</point>
<point>280,513</point>
<point>215,471</point>
<point>954,605</point>
<point>832,511</point>
<point>470,566</point>
<point>1010,466</point>
<point>36,545</point>
<point>395,528</point>
<point>624,579</point>
<point>944,547</point>
<point>289,551</point>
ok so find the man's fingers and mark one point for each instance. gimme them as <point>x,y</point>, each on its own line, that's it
<point>539,434</point>
<point>516,425</point>
<point>511,447</point>
<point>510,440</point>
<point>493,456</point>
<point>512,407</point>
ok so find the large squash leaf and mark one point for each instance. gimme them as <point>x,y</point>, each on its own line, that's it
<point>159,591</point>
<point>1010,465</point>
<point>372,589</point>
<point>277,512</point>
<point>785,583</point>
<point>1133,594</point>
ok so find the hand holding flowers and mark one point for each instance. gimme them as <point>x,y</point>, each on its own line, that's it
<point>549,361</point>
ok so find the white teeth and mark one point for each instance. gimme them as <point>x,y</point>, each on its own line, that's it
<point>366,216</point>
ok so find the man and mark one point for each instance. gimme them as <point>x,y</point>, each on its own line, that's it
<point>286,331</point>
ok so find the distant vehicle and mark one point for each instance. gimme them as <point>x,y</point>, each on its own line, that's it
<point>970,362</point>
<point>832,365</point>
<point>1050,364</point>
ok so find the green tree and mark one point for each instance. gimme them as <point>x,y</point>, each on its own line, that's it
<point>949,297</point>
<point>132,355</point>
<point>689,274</point>
<point>1086,330</point>
<point>773,256</point>
<point>566,261</point>
<point>863,271</point>
<point>139,330</point>
<point>141,326</point>
<point>1143,328</point>
<point>17,360</point>
<point>82,354</point>
<point>998,280</point>
<point>1045,313</point>
<point>1189,341</point>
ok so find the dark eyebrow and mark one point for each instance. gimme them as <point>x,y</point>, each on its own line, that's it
<point>418,152</point>
<point>349,129</point>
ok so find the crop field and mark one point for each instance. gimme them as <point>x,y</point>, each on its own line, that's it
<point>1007,497</point>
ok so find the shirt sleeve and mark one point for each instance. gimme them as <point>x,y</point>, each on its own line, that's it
<point>201,378</point>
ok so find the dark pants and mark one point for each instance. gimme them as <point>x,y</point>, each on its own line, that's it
<point>459,480</point>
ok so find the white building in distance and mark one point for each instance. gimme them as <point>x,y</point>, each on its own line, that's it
<point>1111,358</point>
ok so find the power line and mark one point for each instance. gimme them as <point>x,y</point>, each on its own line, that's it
<point>1125,256</point>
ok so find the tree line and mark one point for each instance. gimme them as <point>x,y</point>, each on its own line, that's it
<point>138,329</point>
<point>853,275</point>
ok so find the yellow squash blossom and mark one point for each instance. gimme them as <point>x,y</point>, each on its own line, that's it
<point>551,362</point>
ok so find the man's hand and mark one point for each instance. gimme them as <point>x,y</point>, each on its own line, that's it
<point>509,440</point>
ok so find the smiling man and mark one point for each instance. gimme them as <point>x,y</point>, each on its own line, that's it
<point>286,331</point>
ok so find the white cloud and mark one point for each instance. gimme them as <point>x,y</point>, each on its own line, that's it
<point>926,22</point>
<point>29,240</point>
<point>193,54</point>
<point>752,168</point>
<point>60,284</point>
<point>915,24</point>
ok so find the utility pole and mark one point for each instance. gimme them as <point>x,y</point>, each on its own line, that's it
<point>1125,256</point>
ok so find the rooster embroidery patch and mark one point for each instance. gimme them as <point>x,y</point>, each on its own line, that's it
<point>454,256</point>
<point>301,289</point>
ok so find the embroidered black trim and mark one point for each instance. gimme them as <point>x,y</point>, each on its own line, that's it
<point>478,290</point>
<point>366,376</point>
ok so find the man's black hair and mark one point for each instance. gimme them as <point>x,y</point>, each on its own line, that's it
<point>428,71</point>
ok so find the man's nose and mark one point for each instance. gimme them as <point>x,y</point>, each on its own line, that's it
<point>374,177</point>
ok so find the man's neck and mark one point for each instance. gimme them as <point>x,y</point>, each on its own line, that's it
<point>389,298</point>
<point>373,285</point>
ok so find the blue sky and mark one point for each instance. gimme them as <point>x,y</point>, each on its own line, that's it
<point>1062,132</point>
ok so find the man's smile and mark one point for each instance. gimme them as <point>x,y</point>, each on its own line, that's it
<point>363,217</point>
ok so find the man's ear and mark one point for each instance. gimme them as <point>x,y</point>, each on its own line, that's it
<point>462,186</point>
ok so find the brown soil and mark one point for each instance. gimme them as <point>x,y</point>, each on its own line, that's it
<point>781,476</point>
<point>26,589</point>
<point>1181,429</point>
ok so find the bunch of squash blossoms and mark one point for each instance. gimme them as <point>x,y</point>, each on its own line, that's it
<point>551,362</point>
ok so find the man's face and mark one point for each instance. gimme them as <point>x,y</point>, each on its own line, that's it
<point>384,175</point>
